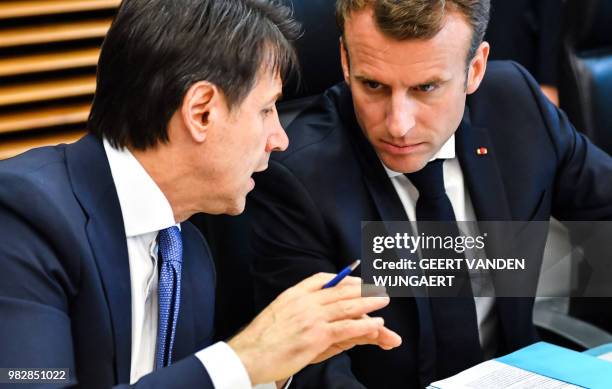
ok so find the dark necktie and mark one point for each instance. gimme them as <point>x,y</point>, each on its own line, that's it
<point>171,255</point>
<point>454,318</point>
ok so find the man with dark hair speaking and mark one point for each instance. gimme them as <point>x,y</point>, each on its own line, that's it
<point>101,275</point>
<point>419,131</point>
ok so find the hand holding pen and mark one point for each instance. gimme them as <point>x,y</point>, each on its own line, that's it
<point>309,323</point>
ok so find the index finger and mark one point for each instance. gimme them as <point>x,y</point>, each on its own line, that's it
<point>318,280</point>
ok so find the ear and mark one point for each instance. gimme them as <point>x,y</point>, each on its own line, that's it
<point>201,109</point>
<point>477,69</point>
<point>345,61</point>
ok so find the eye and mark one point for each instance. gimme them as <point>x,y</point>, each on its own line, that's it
<point>373,85</point>
<point>426,87</point>
<point>267,111</point>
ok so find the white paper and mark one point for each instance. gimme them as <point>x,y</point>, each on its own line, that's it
<point>496,375</point>
<point>606,356</point>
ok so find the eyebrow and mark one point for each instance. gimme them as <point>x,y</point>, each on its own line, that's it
<point>276,97</point>
<point>432,80</point>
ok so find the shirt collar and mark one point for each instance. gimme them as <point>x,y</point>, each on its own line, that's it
<point>144,207</point>
<point>447,151</point>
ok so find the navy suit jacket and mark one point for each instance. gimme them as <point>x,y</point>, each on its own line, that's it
<point>307,208</point>
<point>65,299</point>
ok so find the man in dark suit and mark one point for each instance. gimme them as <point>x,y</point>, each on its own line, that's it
<point>101,275</point>
<point>419,104</point>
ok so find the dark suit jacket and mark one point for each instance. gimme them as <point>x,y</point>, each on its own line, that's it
<point>307,208</point>
<point>65,298</point>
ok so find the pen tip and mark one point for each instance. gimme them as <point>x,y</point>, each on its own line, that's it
<point>355,264</point>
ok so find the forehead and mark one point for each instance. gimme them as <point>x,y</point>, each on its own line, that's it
<point>413,60</point>
<point>268,85</point>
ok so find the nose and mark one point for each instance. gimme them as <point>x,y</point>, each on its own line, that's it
<point>400,115</point>
<point>278,140</point>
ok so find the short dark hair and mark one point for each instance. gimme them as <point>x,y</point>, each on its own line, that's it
<point>419,19</point>
<point>156,50</point>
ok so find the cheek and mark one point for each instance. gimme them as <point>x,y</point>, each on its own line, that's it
<point>442,118</point>
<point>260,141</point>
<point>252,144</point>
<point>232,159</point>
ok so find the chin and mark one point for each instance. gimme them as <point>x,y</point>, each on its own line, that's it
<point>405,164</point>
<point>236,208</point>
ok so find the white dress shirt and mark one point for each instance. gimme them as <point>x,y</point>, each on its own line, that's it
<point>145,212</point>
<point>459,197</point>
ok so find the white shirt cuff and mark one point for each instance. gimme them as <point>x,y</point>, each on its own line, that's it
<point>225,369</point>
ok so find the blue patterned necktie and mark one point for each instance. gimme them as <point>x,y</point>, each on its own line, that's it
<point>171,254</point>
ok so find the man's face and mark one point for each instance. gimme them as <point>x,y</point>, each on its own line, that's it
<point>242,144</point>
<point>409,96</point>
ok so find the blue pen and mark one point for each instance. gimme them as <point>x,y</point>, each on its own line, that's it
<point>340,276</point>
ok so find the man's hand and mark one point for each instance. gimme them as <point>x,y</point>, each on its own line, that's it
<point>307,324</point>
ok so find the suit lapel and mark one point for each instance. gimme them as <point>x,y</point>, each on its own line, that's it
<point>94,188</point>
<point>185,340</point>
<point>383,193</point>
<point>481,174</point>
<point>488,195</point>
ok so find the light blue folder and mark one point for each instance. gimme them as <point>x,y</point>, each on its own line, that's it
<point>562,364</point>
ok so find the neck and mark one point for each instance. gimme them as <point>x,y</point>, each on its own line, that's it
<point>170,176</point>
